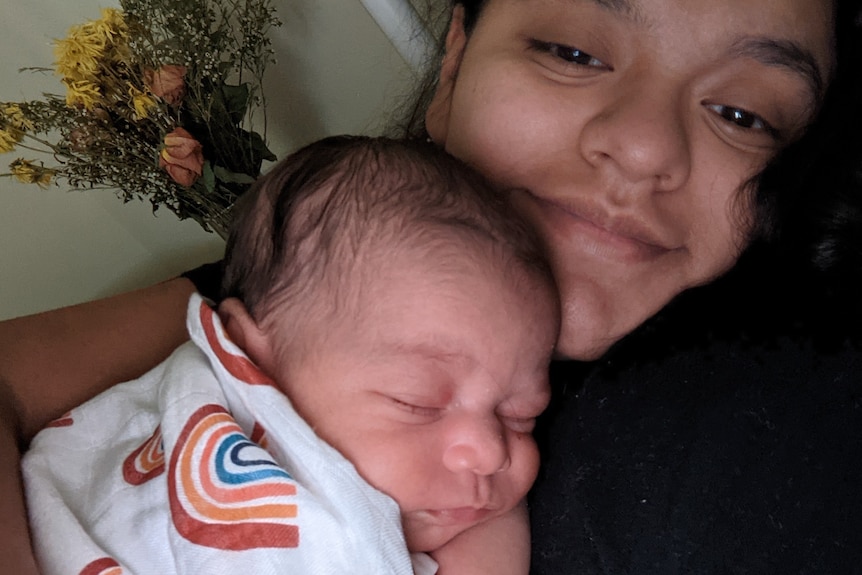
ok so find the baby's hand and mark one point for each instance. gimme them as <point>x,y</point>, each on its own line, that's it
<point>500,546</point>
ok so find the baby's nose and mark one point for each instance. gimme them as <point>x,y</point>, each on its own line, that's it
<point>478,446</point>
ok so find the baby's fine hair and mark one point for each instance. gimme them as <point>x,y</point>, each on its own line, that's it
<point>312,216</point>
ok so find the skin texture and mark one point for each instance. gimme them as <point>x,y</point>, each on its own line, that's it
<point>432,392</point>
<point>630,137</point>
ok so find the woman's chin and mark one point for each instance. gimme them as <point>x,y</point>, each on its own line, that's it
<point>590,325</point>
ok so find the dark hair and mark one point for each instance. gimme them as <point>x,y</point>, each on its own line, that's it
<point>318,210</point>
<point>409,120</point>
<point>809,195</point>
<point>802,274</point>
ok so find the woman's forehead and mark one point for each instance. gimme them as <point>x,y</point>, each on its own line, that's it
<point>805,16</point>
<point>639,8</point>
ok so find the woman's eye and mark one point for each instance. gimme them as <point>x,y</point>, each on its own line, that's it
<point>568,54</point>
<point>742,118</point>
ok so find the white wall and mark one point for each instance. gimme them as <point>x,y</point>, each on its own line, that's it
<point>336,73</point>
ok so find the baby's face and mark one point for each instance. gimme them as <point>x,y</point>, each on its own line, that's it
<point>434,393</point>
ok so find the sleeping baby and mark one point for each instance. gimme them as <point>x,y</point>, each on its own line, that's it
<point>364,393</point>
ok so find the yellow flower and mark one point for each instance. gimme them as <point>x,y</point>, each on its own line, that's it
<point>112,24</point>
<point>29,173</point>
<point>113,28</point>
<point>14,116</point>
<point>82,93</point>
<point>8,138</point>
<point>81,55</point>
<point>77,63</point>
<point>142,102</point>
<point>78,57</point>
<point>13,124</point>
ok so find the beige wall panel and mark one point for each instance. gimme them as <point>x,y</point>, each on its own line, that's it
<point>336,73</point>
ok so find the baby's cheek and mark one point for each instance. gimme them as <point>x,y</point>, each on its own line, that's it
<point>525,465</point>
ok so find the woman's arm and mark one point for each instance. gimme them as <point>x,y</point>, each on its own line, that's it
<point>53,361</point>
<point>15,553</point>
<point>500,546</point>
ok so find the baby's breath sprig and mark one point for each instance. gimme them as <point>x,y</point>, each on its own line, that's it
<point>159,104</point>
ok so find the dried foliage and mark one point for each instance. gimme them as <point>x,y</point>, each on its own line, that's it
<point>159,105</point>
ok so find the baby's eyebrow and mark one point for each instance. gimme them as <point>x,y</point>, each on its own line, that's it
<point>433,350</point>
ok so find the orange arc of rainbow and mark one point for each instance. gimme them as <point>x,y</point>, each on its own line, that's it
<point>231,536</point>
<point>201,501</point>
<point>240,367</point>
<point>145,462</point>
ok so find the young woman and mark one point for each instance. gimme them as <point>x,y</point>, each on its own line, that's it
<point>657,142</point>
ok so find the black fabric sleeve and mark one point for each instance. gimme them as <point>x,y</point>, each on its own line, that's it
<point>207,279</point>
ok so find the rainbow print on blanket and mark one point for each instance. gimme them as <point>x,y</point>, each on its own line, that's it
<point>227,492</point>
<point>103,566</point>
<point>238,365</point>
<point>186,468</point>
<point>147,461</point>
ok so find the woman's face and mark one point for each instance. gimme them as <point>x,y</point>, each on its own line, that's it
<point>630,128</point>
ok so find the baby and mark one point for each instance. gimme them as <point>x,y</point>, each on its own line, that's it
<point>367,389</point>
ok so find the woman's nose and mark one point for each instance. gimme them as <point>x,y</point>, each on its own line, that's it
<point>478,446</point>
<point>639,136</point>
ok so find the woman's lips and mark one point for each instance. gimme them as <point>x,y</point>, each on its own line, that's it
<point>612,237</point>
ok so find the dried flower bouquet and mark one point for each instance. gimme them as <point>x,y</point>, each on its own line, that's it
<point>160,105</point>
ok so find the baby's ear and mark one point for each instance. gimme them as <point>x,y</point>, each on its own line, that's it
<point>245,332</point>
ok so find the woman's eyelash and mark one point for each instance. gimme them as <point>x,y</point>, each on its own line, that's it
<point>743,119</point>
<point>568,54</point>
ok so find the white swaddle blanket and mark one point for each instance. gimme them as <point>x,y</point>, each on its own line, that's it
<point>202,466</point>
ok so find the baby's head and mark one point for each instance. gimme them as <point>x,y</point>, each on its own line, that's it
<point>409,315</point>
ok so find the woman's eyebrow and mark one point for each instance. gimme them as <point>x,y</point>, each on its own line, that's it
<point>771,52</point>
<point>783,54</point>
<point>626,8</point>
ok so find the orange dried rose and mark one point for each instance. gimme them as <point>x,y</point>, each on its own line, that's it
<point>182,157</point>
<point>167,83</point>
